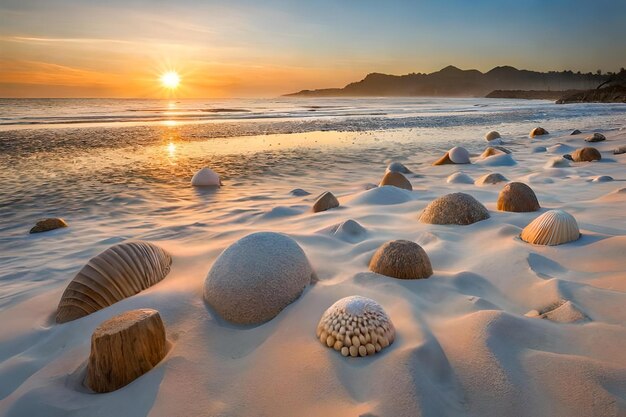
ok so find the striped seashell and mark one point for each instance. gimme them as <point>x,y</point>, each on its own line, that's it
<point>553,227</point>
<point>356,326</point>
<point>119,272</point>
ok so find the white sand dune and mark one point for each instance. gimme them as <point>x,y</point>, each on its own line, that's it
<point>463,345</point>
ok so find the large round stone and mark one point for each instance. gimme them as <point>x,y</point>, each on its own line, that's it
<point>517,197</point>
<point>401,259</point>
<point>586,154</point>
<point>256,277</point>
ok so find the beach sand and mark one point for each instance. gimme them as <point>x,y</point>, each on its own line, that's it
<point>463,343</point>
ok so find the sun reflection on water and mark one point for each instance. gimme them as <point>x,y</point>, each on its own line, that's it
<point>171,149</point>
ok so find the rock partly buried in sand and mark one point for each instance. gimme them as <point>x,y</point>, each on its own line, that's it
<point>602,178</point>
<point>596,137</point>
<point>299,192</point>
<point>206,177</point>
<point>456,155</point>
<point>586,154</point>
<point>492,178</point>
<point>459,178</point>
<point>350,231</point>
<point>557,162</point>
<point>119,272</point>
<point>356,326</point>
<point>125,347</point>
<point>553,227</point>
<point>575,132</point>
<point>401,259</point>
<point>256,277</point>
<point>397,180</point>
<point>455,208</point>
<point>489,136</point>
<point>325,202</point>
<point>538,131</point>
<point>490,151</point>
<point>50,223</point>
<point>517,197</point>
<point>619,150</point>
<point>398,167</point>
<point>561,312</point>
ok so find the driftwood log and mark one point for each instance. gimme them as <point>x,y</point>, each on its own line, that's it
<point>125,347</point>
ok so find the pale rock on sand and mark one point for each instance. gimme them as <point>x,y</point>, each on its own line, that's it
<point>455,208</point>
<point>324,202</point>
<point>557,162</point>
<point>553,227</point>
<point>50,223</point>
<point>538,131</point>
<point>256,277</point>
<point>356,326</point>
<point>299,192</point>
<point>586,154</point>
<point>517,197</point>
<point>596,137</point>
<point>401,259</point>
<point>602,178</point>
<point>349,231</point>
<point>561,312</point>
<point>206,177</point>
<point>396,179</point>
<point>398,167</point>
<point>459,178</point>
<point>492,178</point>
<point>385,195</point>
<point>489,136</point>
<point>125,347</point>
<point>456,155</point>
<point>119,272</point>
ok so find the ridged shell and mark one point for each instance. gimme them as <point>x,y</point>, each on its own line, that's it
<point>553,227</point>
<point>119,272</point>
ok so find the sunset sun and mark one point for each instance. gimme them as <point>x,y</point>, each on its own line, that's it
<point>170,80</point>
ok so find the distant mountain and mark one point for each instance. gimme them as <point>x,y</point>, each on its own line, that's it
<point>454,82</point>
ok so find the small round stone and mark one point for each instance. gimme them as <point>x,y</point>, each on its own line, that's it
<point>345,351</point>
<point>455,208</point>
<point>45,225</point>
<point>362,351</point>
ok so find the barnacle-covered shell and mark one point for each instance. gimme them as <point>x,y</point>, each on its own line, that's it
<point>356,326</point>
<point>119,272</point>
<point>553,227</point>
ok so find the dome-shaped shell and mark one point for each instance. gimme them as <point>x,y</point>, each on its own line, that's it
<point>397,180</point>
<point>256,277</point>
<point>492,178</point>
<point>553,227</point>
<point>538,131</point>
<point>455,208</point>
<point>398,167</point>
<point>492,135</point>
<point>459,178</point>
<point>401,259</point>
<point>119,272</point>
<point>206,177</point>
<point>356,326</point>
<point>517,197</point>
<point>325,202</point>
<point>459,155</point>
<point>586,154</point>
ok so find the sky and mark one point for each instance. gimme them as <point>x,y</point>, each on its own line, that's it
<point>246,48</point>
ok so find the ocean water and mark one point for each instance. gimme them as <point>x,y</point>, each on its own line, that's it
<point>119,169</point>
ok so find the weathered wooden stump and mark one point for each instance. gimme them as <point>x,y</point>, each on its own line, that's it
<point>123,348</point>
